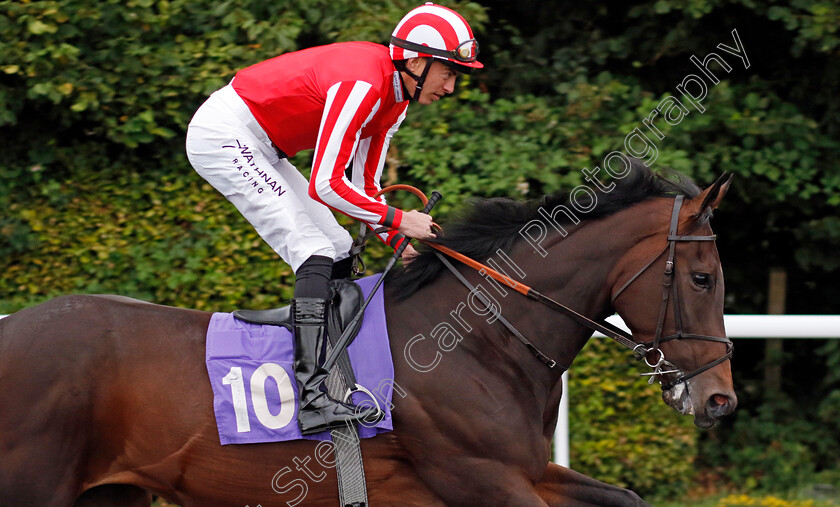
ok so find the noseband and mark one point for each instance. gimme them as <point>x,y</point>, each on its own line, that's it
<point>670,291</point>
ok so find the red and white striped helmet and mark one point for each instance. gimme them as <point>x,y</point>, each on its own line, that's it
<point>435,31</point>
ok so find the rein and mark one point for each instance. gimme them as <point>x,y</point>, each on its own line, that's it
<point>603,327</point>
<point>640,350</point>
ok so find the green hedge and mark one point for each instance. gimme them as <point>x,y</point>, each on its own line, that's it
<point>162,237</point>
<point>620,430</point>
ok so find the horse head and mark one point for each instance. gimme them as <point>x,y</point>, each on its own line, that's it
<point>669,290</point>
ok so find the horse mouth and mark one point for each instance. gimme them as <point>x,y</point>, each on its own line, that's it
<point>704,421</point>
<point>679,398</point>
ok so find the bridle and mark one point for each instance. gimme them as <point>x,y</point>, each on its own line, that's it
<point>670,291</point>
<point>640,350</point>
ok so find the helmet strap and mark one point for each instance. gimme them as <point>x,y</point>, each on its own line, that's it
<point>419,80</point>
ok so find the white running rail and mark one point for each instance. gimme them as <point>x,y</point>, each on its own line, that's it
<point>737,326</point>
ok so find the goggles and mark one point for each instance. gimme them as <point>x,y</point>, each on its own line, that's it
<point>466,52</point>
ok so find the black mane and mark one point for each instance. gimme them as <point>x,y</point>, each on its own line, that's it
<point>485,225</point>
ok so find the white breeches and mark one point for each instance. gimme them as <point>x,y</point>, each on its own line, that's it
<point>230,150</point>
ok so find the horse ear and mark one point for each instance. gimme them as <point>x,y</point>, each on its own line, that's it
<point>710,198</point>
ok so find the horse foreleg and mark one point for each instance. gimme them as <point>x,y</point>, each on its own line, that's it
<point>562,486</point>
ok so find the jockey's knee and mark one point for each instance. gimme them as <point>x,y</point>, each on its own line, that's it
<point>312,279</point>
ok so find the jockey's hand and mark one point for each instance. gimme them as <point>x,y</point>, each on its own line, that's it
<point>409,254</point>
<point>416,225</point>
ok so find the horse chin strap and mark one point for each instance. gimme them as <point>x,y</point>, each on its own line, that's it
<point>640,350</point>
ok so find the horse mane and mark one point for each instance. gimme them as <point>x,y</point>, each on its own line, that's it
<point>485,225</point>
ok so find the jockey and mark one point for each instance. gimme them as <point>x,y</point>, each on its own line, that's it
<point>345,101</point>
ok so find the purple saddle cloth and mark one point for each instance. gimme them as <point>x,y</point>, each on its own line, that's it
<point>255,396</point>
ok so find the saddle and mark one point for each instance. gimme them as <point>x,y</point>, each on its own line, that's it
<point>347,300</point>
<point>345,303</point>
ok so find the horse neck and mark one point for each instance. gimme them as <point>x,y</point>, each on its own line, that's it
<point>574,272</point>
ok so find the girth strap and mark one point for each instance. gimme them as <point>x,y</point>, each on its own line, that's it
<point>350,470</point>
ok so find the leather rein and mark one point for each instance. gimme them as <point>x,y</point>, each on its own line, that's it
<point>640,350</point>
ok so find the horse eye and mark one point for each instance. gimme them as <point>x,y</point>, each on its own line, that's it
<point>701,280</point>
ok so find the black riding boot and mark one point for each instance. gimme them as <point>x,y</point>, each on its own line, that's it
<point>342,269</point>
<point>318,412</point>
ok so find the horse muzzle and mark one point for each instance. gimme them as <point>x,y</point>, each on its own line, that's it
<point>687,399</point>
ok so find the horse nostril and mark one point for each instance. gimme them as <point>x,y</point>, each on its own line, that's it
<point>720,405</point>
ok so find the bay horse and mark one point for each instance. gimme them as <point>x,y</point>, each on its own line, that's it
<point>105,400</point>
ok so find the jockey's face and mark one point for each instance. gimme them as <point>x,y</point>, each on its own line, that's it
<point>439,82</point>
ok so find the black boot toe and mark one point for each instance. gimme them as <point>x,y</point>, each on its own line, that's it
<point>335,415</point>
